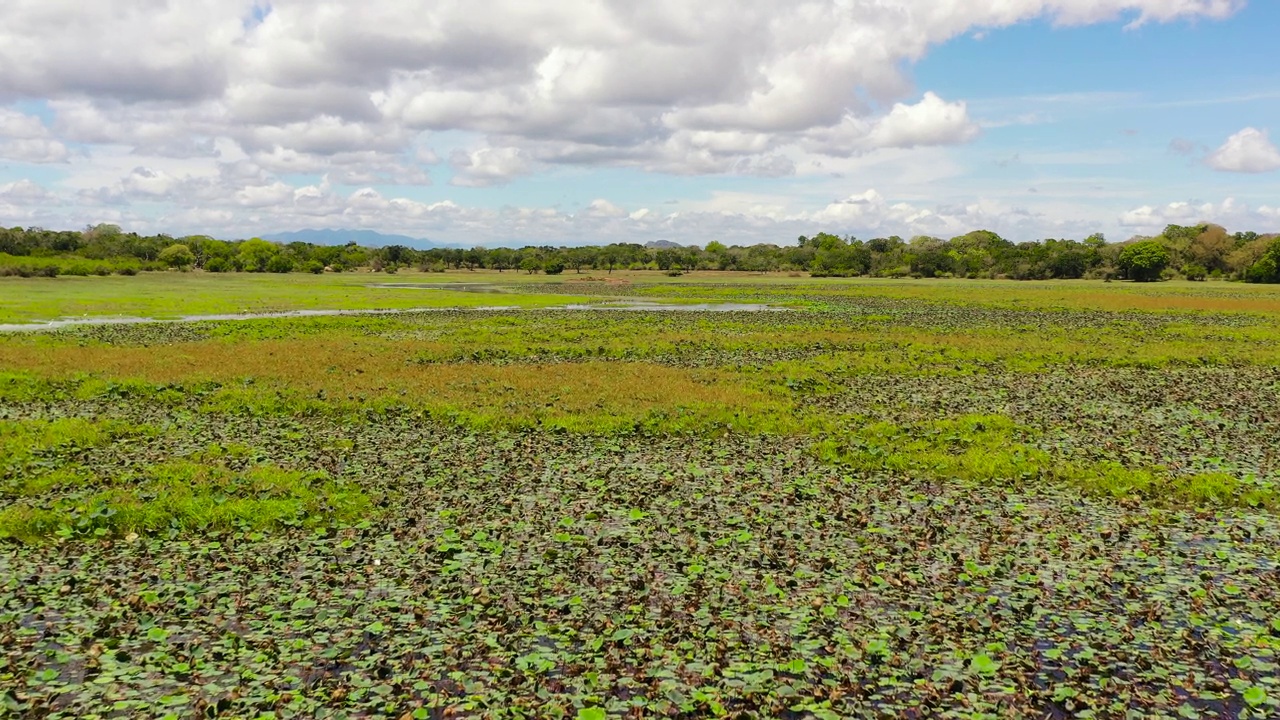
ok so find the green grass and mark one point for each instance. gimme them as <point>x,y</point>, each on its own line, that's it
<point>187,496</point>
<point>991,448</point>
<point>166,295</point>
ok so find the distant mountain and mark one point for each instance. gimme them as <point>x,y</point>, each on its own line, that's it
<point>367,238</point>
<point>662,245</point>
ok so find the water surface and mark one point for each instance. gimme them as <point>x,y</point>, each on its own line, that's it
<point>609,305</point>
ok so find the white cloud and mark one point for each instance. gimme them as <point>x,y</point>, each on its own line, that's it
<point>488,166</point>
<point>24,191</point>
<point>264,195</point>
<point>205,111</point>
<point>34,151</point>
<point>1230,213</point>
<point>21,126</point>
<point>148,182</point>
<point>724,87</point>
<point>1248,151</point>
<point>24,138</point>
<point>932,121</point>
<point>604,209</point>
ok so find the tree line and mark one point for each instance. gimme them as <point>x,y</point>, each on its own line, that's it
<point>1195,252</point>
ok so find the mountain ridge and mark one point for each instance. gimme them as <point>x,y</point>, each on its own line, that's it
<point>339,236</point>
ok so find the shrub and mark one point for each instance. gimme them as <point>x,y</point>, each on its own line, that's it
<point>315,267</point>
<point>178,255</point>
<point>217,265</point>
<point>78,269</point>
<point>279,264</point>
<point>674,273</point>
<point>102,271</point>
<point>553,268</point>
<point>1193,271</point>
<point>46,271</point>
<point>127,270</point>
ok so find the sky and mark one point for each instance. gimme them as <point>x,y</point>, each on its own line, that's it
<point>512,122</point>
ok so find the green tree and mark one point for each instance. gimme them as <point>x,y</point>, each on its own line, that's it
<point>178,255</point>
<point>1267,269</point>
<point>255,254</point>
<point>580,257</point>
<point>501,259</point>
<point>1143,261</point>
<point>280,264</point>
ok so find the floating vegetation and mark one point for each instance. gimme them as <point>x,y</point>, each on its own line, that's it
<point>856,507</point>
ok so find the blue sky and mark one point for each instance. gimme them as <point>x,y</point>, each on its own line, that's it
<point>510,122</point>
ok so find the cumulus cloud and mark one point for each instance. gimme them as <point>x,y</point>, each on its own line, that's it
<point>1248,151</point>
<point>25,138</point>
<point>719,86</point>
<point>932,121</point>
<point>207,109</point>
<point>870,213</point>
<point>1229,213</point>
<point>40,150</point>
<point>488,166</point>
<point>24,191</point>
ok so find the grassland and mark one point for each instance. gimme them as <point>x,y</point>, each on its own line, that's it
<point>170,295</point>
<point>883,499</point>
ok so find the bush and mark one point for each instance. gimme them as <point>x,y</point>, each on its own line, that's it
<point>390,269</point>
<point>279,264</point>
<point>553,268</point>
<point>315,267</point>
<point>217,265</point>
<point>78,269</point>
<point>435,267</point>
<point>102,271</point>
<point>127,270</point>
<point>1192,271</point>
<point>50,271</point>
<point>673,273</point>
<point>178,255</point>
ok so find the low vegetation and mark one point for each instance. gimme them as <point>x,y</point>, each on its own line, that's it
<point>954,499</point>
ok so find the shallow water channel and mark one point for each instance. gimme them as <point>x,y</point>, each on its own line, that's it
<point>635,305</point>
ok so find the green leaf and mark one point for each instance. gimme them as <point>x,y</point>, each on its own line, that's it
<point>594,713</point>
<point>1255,696</point>
<point>984,665</point>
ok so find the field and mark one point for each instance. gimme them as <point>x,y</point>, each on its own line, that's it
<point>968,499</point>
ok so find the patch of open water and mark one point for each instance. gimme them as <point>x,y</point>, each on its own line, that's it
<point>613,305</point>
